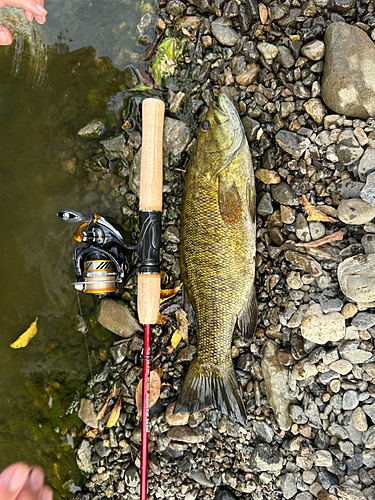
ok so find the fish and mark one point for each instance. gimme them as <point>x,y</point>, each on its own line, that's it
<point>218,238</point>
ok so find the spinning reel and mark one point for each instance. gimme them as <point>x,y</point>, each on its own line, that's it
<point>102,264</point>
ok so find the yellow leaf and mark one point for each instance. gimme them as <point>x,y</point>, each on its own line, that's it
<point>101,414</point>
<point>168,294</point>
<point>155,384</point>
<point>162,319</point>
<point>176,337</point>
<point>115,415</point>
<point>263,13</point>
<point>25,338</point>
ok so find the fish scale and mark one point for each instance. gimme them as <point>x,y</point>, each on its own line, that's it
<point>217,257</point>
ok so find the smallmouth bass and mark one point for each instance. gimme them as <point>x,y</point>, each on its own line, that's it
<point>218,224</point>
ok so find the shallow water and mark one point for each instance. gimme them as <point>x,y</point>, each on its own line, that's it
<point>41,172</point>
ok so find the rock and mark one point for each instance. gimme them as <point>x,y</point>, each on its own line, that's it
<point>175,7</point>
<point>323,458</point>
<point>251,127</point>
<point>368,192</point>
<point>342,366</point>
<point>282,193</point>
<point>135,173</point>
<point>350,493</point>
<point>263,431</point>
<point>359,419</point>
<point>292,143</point>
<point>84,457</point>
<point>176,137</point>
<point>315,108</point>
<point>350,400</point>
<point>356,277</point>
<point>355,211</point>
<point>116,317</point>
<point>317,230</point>
<point>348,148</point>
<point>305,458</point>
<point>304,262</point>
<point>351,189</point>
<point>181,418</point>
<point>131,77</point>
<point>363,321</point>
<point>249,75</point>
<point>116,149</point>
<point>131,476</point>
<point>349,310</point>
<point>314,50</point>
<point>267,176</point>
<point>304,369</point>
<point>368,243</point>
<point>367,163</point>
<point>349,92</point>
<point>268,50</point>
<point>357,356</point>
<point>185,435</point>
<point>119,351</point>
<point>265,205</point>
<point>285,57</point>
<point>96,128</point>
<point>321,328</point>
<point>224,494</point>
<point>276,381</point>
<point>200,477</point>
<point>368,437</point>
<point>223,32</point>
<point>264,458</point>
<point>302,229</point>
<point>288,485</point>
<point>87,413</point>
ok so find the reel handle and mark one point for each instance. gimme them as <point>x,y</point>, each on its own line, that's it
<point>150,200</point>
<point>73,216</point>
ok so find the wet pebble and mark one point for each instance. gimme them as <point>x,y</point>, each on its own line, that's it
<point>355,211</point>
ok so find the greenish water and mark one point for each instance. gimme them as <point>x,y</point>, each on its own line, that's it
<point>41,172</point>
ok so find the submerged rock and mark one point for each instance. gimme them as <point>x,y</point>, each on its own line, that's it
<point>117,318</point>
<point>276,379</point>
<point>84,457</point>
<point>95,128</point>
<point>348,85</point>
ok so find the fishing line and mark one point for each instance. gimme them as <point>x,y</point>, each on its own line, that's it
<point>82,327</point>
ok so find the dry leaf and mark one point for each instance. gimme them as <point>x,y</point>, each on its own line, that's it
<point>314,213</point>
<point>183,324</point>
<point>176,337</point>
<point>115,414</point>
<point>263,14</point>
<point>162,319</point>
<point>168,294</point>
<point>100,415</point>
<point>337,236</point>
<point>92,433</point>
<point>25,338</point>
<point>154,386</point>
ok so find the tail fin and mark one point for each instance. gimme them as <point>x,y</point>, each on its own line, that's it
<point>207,387</point>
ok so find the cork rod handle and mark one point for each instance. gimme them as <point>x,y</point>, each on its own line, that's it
<point>151,192</point>
<point>150,198</point>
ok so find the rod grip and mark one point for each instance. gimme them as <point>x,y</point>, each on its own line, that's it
<point>148,298</point>
<point>151,191</point>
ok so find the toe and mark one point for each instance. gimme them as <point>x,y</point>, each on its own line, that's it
<point>5,36</point>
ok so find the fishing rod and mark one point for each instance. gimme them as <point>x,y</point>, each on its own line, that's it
<point>102,264</point>
<point>150,208</point>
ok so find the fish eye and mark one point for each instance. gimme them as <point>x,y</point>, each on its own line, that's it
<point>206,125</point>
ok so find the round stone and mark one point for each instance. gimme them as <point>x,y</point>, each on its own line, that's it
<point>349,310</point>
<point>342,366</point>
<point>359,419</point>
<point>322,328</point>
<point>350,400</point>
<point>356,277</point>
<point>314,50</point>
<point>181,418</point>
<point>335,385</point>
<point>355,211</point>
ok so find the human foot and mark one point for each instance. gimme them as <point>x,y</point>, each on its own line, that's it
<point>20,482</point>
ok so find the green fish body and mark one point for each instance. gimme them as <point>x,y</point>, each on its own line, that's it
<point>218,226</point>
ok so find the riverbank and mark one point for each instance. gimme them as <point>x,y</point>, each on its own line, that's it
<point>295,72</point>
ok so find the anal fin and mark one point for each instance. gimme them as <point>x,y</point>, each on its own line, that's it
<point>247,320</point>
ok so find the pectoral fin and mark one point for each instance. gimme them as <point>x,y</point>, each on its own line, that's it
<point>230,203</point>
<point>247,321</point>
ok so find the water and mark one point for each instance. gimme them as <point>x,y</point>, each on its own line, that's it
<point>44,101</point>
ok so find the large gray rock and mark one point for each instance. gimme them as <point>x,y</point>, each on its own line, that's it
<point>276,379</point>
<point>348,85</point>
<point>356,277</point>
<point>355,211</point>
<point>117,318</point>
